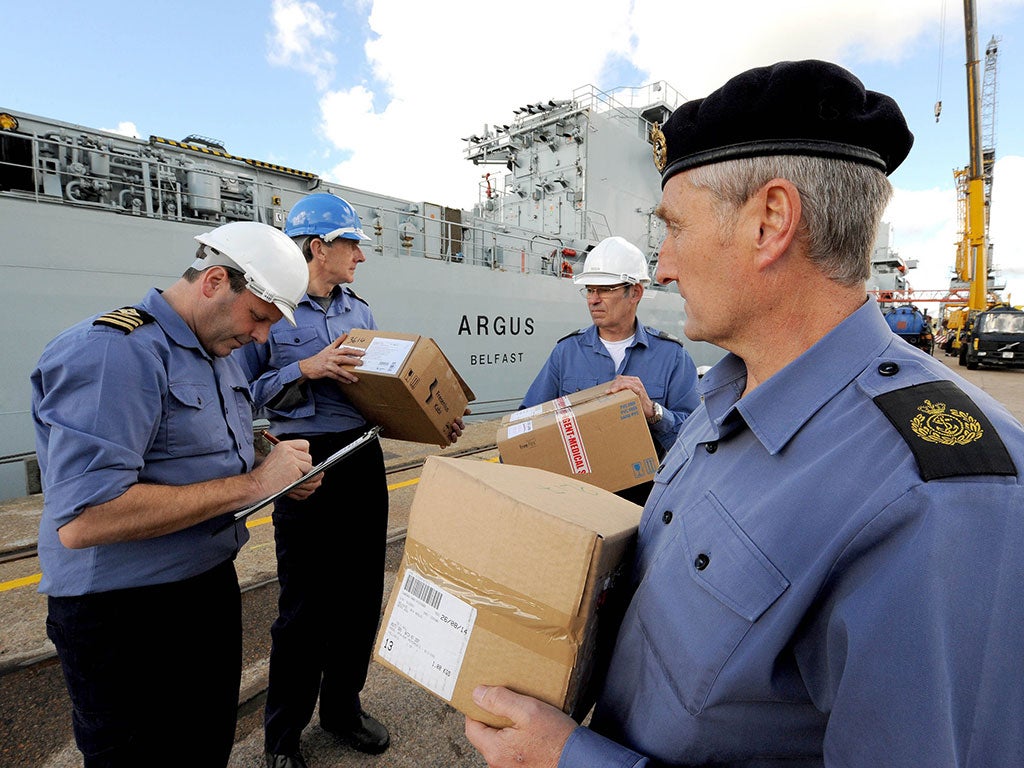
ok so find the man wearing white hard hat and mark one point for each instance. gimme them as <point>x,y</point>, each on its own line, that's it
<point>144,436</point>
<point>619,348</point>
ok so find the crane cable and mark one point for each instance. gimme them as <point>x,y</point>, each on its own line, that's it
<point>942,46</point>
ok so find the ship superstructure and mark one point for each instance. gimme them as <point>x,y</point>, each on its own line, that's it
<point>92,219</point>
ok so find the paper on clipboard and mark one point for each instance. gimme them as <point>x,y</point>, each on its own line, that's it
<point>327,463</point>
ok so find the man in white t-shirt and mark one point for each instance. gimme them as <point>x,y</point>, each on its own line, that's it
<point>618,348</point>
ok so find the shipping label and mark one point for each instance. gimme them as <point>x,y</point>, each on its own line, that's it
<point>427,634</point>
<point>385,355</point>
<point>525,413</point>
<point>514,430</point>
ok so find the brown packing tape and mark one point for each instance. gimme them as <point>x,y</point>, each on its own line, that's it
<point>532,625</point>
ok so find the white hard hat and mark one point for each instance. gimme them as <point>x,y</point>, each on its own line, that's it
<point>614,260</point>
<point>274,267</point>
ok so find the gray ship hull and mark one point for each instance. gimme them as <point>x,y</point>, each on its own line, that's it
<point>496,323</point>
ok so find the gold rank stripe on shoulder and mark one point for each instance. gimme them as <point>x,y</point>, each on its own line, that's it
<point>125,319</point>
<point>949,435</point>
<point>356,296</point>
<point>665,335</point>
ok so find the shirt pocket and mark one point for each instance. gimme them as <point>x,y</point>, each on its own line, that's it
<point>246,412</point>
<point>704,590</point>
<point>655,391</point>
<point>572,384</point>
<point>195,424</point>
<point>291,344</point>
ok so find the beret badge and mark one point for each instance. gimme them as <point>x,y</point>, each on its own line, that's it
<point>659,148</point>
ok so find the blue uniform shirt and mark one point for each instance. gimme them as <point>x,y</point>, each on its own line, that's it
<point>315,407</point>
<point>113,409</point>
<point>580,361</point>
<point>804,597</point>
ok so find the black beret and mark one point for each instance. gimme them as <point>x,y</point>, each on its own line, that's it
<point>790,108</point>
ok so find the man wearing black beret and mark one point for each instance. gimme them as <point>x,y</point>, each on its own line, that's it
<point>829,565</point>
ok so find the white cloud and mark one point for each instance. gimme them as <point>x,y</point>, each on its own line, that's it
<point>926,227</point>
<point>125,128</point>
<point>446,75</point>
<point>1007,236</point>
<point>439,76</point>
<point>301,32</point>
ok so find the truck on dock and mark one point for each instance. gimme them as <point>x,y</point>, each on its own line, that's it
<point>994,337</point>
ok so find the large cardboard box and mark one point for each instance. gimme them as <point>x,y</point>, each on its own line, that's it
<point>503,574</point>
<point>595,437</point>
<point>407,386</point>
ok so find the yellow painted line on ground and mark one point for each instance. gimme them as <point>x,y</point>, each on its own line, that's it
<point>265,520</point>
<point>28,581</point>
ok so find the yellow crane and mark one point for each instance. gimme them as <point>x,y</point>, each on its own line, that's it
<point>974,185</point>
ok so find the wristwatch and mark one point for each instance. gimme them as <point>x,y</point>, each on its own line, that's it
<point>659,412</point>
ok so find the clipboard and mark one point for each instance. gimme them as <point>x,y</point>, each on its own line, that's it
<point>326,464</point>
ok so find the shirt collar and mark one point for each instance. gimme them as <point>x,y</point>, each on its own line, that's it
<point>640,336</point>
<point>342,300</point>
<point>777,409</point>
<point>170,321</point>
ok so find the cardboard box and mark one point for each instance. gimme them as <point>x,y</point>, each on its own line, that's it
<point>407,386</point>
<point>597,438</point>
<point>503,574</point>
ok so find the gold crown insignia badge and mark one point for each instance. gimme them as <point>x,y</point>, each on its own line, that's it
<point>659,148</point>
<point>937,425</point>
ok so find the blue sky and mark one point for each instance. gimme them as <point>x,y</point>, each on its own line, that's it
<point>376,94</point>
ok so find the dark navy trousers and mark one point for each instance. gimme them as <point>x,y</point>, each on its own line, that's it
<point>153,672</point>
<point>330,564</point>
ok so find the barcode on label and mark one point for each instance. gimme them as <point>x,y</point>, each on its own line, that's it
<point>420,589</point>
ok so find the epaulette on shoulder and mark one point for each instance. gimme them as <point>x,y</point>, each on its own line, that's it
<point>664,335</point>
<point>948,433</point>
<point>125,319</point>
<point>355,295</point>
<point>577,332</point>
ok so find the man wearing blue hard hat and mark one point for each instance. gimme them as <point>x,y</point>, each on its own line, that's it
<point>828,569</point>
<point>332,548</point>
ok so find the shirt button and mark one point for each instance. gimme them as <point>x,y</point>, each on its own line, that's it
<point>701,562</point>
<point>666,517</point>
<point>710,447</point>
<point>888,369</point>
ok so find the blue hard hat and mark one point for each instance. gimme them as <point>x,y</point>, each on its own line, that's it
<point>325,215</point>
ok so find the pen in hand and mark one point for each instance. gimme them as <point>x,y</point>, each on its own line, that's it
<point>269,437</point>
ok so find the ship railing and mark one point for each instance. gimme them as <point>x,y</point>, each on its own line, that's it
<point>472,242</point>
<point>136,178</point>
<point>631,105</point>
<point>632,99</point>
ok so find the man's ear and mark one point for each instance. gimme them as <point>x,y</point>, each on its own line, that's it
<point>779,208</point>
<point>212,279</point>
<point>316,247</point>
